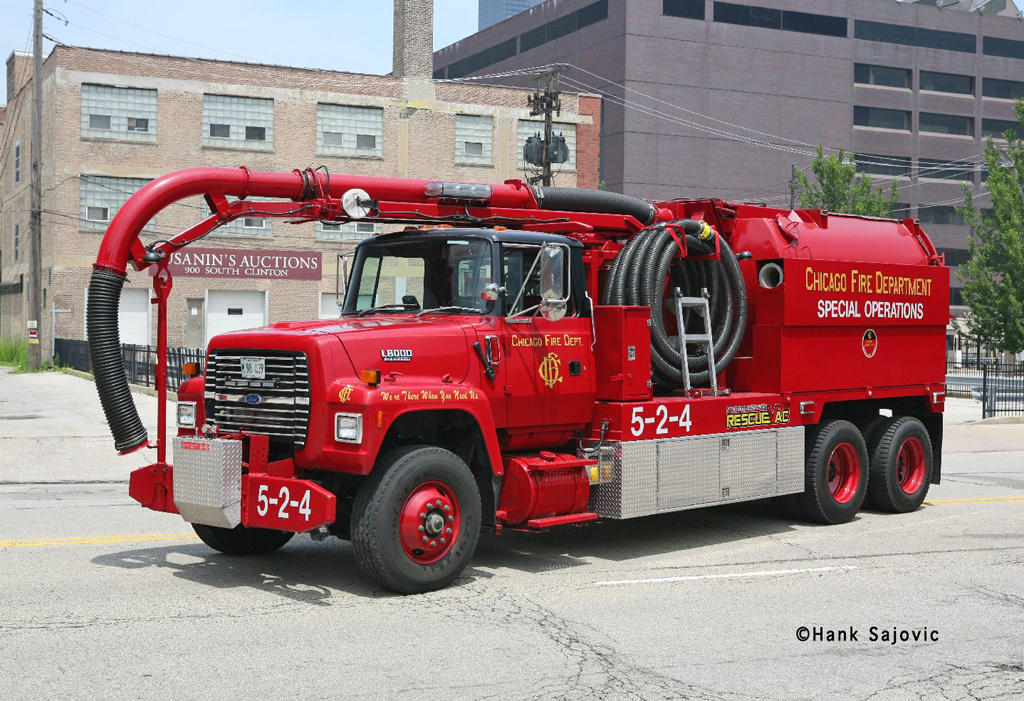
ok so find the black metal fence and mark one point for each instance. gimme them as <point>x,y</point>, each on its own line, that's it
<point>139,361</point>
<point>999,387</point>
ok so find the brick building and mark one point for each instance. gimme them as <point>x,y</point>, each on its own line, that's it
<point>114,121</point>
<point>718,99</point>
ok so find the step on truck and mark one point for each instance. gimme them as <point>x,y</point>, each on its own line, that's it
<point>519,357</point>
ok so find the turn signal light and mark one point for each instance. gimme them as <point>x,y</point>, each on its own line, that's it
<point>190,369</point>
<point>370,377</point>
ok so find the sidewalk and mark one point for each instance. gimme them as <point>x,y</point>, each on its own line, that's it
<point>52,429</point>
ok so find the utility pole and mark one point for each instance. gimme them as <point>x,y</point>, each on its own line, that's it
<point>792,189</point>
<point>546,103</point>
<point>35,271</point>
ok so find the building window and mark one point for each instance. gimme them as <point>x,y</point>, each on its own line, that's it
<point>786,20</point>
<point>690,9</point>
<point>529,127</point>
<point>254,223</point>
<point>880,118</point>
<point>349,231</point>
<point>893,166</point>
<point>346,130</point>
<point>553,30</point>
<point>997,128</point>
<point>947,82</point>
<point>97,214</point>
<point>17,161</point>
<point>99,121</point>
<point>17,241</point>
<point>239,122</point>
<point>943,214</point>
<point>884,76</point>
<point>1007,48</point>
<point>474,138</point>
<point>1002,89</point>
<point>118,113</point>
<point>955,256</point>
<point>914,36</point>
<point>944,170</point>
<point>100,198</point>
<point>945,124</point>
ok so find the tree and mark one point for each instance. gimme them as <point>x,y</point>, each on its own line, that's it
<point>839,188</point>
<point>994,275</point>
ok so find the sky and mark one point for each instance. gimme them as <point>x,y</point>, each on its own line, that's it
<point>343,35</point>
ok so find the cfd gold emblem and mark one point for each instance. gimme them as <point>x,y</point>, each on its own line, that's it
<point>550,369</point>
<point>345,394</point>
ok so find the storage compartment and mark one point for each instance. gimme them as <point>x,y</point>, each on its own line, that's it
<point>623,353</point>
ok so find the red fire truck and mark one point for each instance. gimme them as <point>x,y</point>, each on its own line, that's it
<point>524,357</point>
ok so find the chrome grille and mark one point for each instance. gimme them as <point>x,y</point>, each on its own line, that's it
<point>282,411</point>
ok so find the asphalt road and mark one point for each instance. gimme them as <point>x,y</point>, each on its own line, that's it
<point>100,598</point>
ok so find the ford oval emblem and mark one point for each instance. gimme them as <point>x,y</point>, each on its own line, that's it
<point>253,399</point>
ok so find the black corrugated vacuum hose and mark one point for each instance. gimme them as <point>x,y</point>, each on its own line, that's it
<point>107,365</point>
<point>574,199</point>
<point>646,272</point>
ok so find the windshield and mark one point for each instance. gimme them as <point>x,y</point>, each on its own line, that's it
<point>420,274</point>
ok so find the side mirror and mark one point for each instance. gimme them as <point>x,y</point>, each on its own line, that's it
<point>492,292</point>
<point>553,297</point>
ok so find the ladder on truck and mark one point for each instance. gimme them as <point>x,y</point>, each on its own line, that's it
<point>700,305</point>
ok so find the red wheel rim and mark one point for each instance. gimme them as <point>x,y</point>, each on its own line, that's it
<point>429,522</point>
<point>910,465</point>
<point>843,473</point>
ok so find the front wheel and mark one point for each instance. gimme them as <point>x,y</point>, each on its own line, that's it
<point>416,520</point>
<point>240,540</point>
<point>836,476</point>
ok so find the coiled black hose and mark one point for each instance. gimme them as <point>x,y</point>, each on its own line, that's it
<point>574,199</point>
<point>107,365</point>
<point>646,272</point>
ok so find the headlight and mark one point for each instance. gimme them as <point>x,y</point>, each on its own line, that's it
<point>187,414</point>
<point>348,428</point>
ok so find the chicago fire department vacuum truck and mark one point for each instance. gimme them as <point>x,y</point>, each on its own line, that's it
<point>523,358</point>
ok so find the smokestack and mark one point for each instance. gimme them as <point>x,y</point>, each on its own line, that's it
<point>414,39</point>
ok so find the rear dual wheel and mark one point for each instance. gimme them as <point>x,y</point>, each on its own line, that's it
<point>901,465</point>
<point>836,473</point>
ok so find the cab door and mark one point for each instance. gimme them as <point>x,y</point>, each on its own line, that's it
<point>548,368</point>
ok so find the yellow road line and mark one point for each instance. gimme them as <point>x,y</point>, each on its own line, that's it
<point>978,500</point>
<point>89,540</point>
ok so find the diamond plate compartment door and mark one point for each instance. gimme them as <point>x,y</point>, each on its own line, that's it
<point>208,480</point>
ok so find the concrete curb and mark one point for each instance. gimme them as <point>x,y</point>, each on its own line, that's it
<point>998,420</point>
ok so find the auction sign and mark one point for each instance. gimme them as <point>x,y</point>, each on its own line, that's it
<point>234,262</point>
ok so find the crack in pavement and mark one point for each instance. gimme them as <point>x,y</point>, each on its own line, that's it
<point>985,680</point>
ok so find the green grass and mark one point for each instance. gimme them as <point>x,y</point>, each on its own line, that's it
<point>14,352</point>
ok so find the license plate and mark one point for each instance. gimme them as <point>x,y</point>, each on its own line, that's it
<point>254,368</point>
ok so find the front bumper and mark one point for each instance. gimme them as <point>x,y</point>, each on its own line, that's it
<point>208,485</point>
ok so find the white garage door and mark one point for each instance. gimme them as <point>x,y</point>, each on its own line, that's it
<point>234,311</point>
<point>329,308</point>
<point>133,316</point>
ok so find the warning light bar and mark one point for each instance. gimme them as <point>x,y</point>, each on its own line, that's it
<point>458,191</point>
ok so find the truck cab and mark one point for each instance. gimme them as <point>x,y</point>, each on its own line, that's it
<point>475,342</point>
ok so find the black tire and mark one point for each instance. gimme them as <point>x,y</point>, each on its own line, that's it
<point>240,540</point>
<point>377,525</point>
<point>831,444</point>
<point>890,477</point>
<point>868,431</point>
